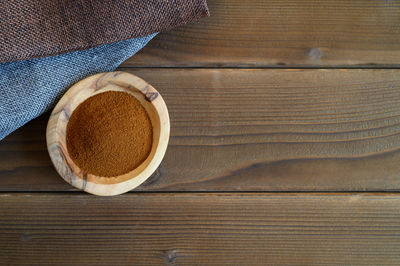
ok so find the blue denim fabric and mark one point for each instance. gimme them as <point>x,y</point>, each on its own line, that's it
<point>29,88</point>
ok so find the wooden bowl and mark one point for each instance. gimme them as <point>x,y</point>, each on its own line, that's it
<point>99,83</point>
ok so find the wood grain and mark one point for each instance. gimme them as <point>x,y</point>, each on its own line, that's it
<point>254,130</point>
<point>200,229</point>
<point>282,33</point>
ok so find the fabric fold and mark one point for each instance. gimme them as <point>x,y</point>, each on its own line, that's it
<point>79,38</point>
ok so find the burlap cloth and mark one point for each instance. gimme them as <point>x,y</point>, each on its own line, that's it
<point>38,28</point>
<point>51,40</point>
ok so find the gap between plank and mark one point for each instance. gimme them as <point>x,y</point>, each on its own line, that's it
<point>394,192</point>
<point>262,67</point>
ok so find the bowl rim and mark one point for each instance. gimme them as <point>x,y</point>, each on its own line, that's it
<point>151,100</point>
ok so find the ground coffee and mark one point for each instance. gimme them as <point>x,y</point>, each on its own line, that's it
<point>109,134</point>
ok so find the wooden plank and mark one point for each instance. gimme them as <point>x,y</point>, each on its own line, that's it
<point>282,33</point>
<point>254,130</point>
<point>200,229</point>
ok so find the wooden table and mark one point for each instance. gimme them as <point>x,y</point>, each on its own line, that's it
<point>284,149</point>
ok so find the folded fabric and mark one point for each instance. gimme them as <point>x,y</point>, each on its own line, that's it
<point>29,88</point>
<point>31,29</point>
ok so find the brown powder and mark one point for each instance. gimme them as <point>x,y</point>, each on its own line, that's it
<point>109,134</point>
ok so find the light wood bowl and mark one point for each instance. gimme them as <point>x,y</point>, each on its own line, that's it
<point>99,83</point>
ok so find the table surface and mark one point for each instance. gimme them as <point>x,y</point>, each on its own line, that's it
<point>284,149</point>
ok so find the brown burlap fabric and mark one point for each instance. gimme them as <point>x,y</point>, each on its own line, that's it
<point>30,29</point>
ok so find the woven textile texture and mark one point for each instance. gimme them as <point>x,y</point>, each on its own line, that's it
<point>29,88</point>
<point>39,28</point>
